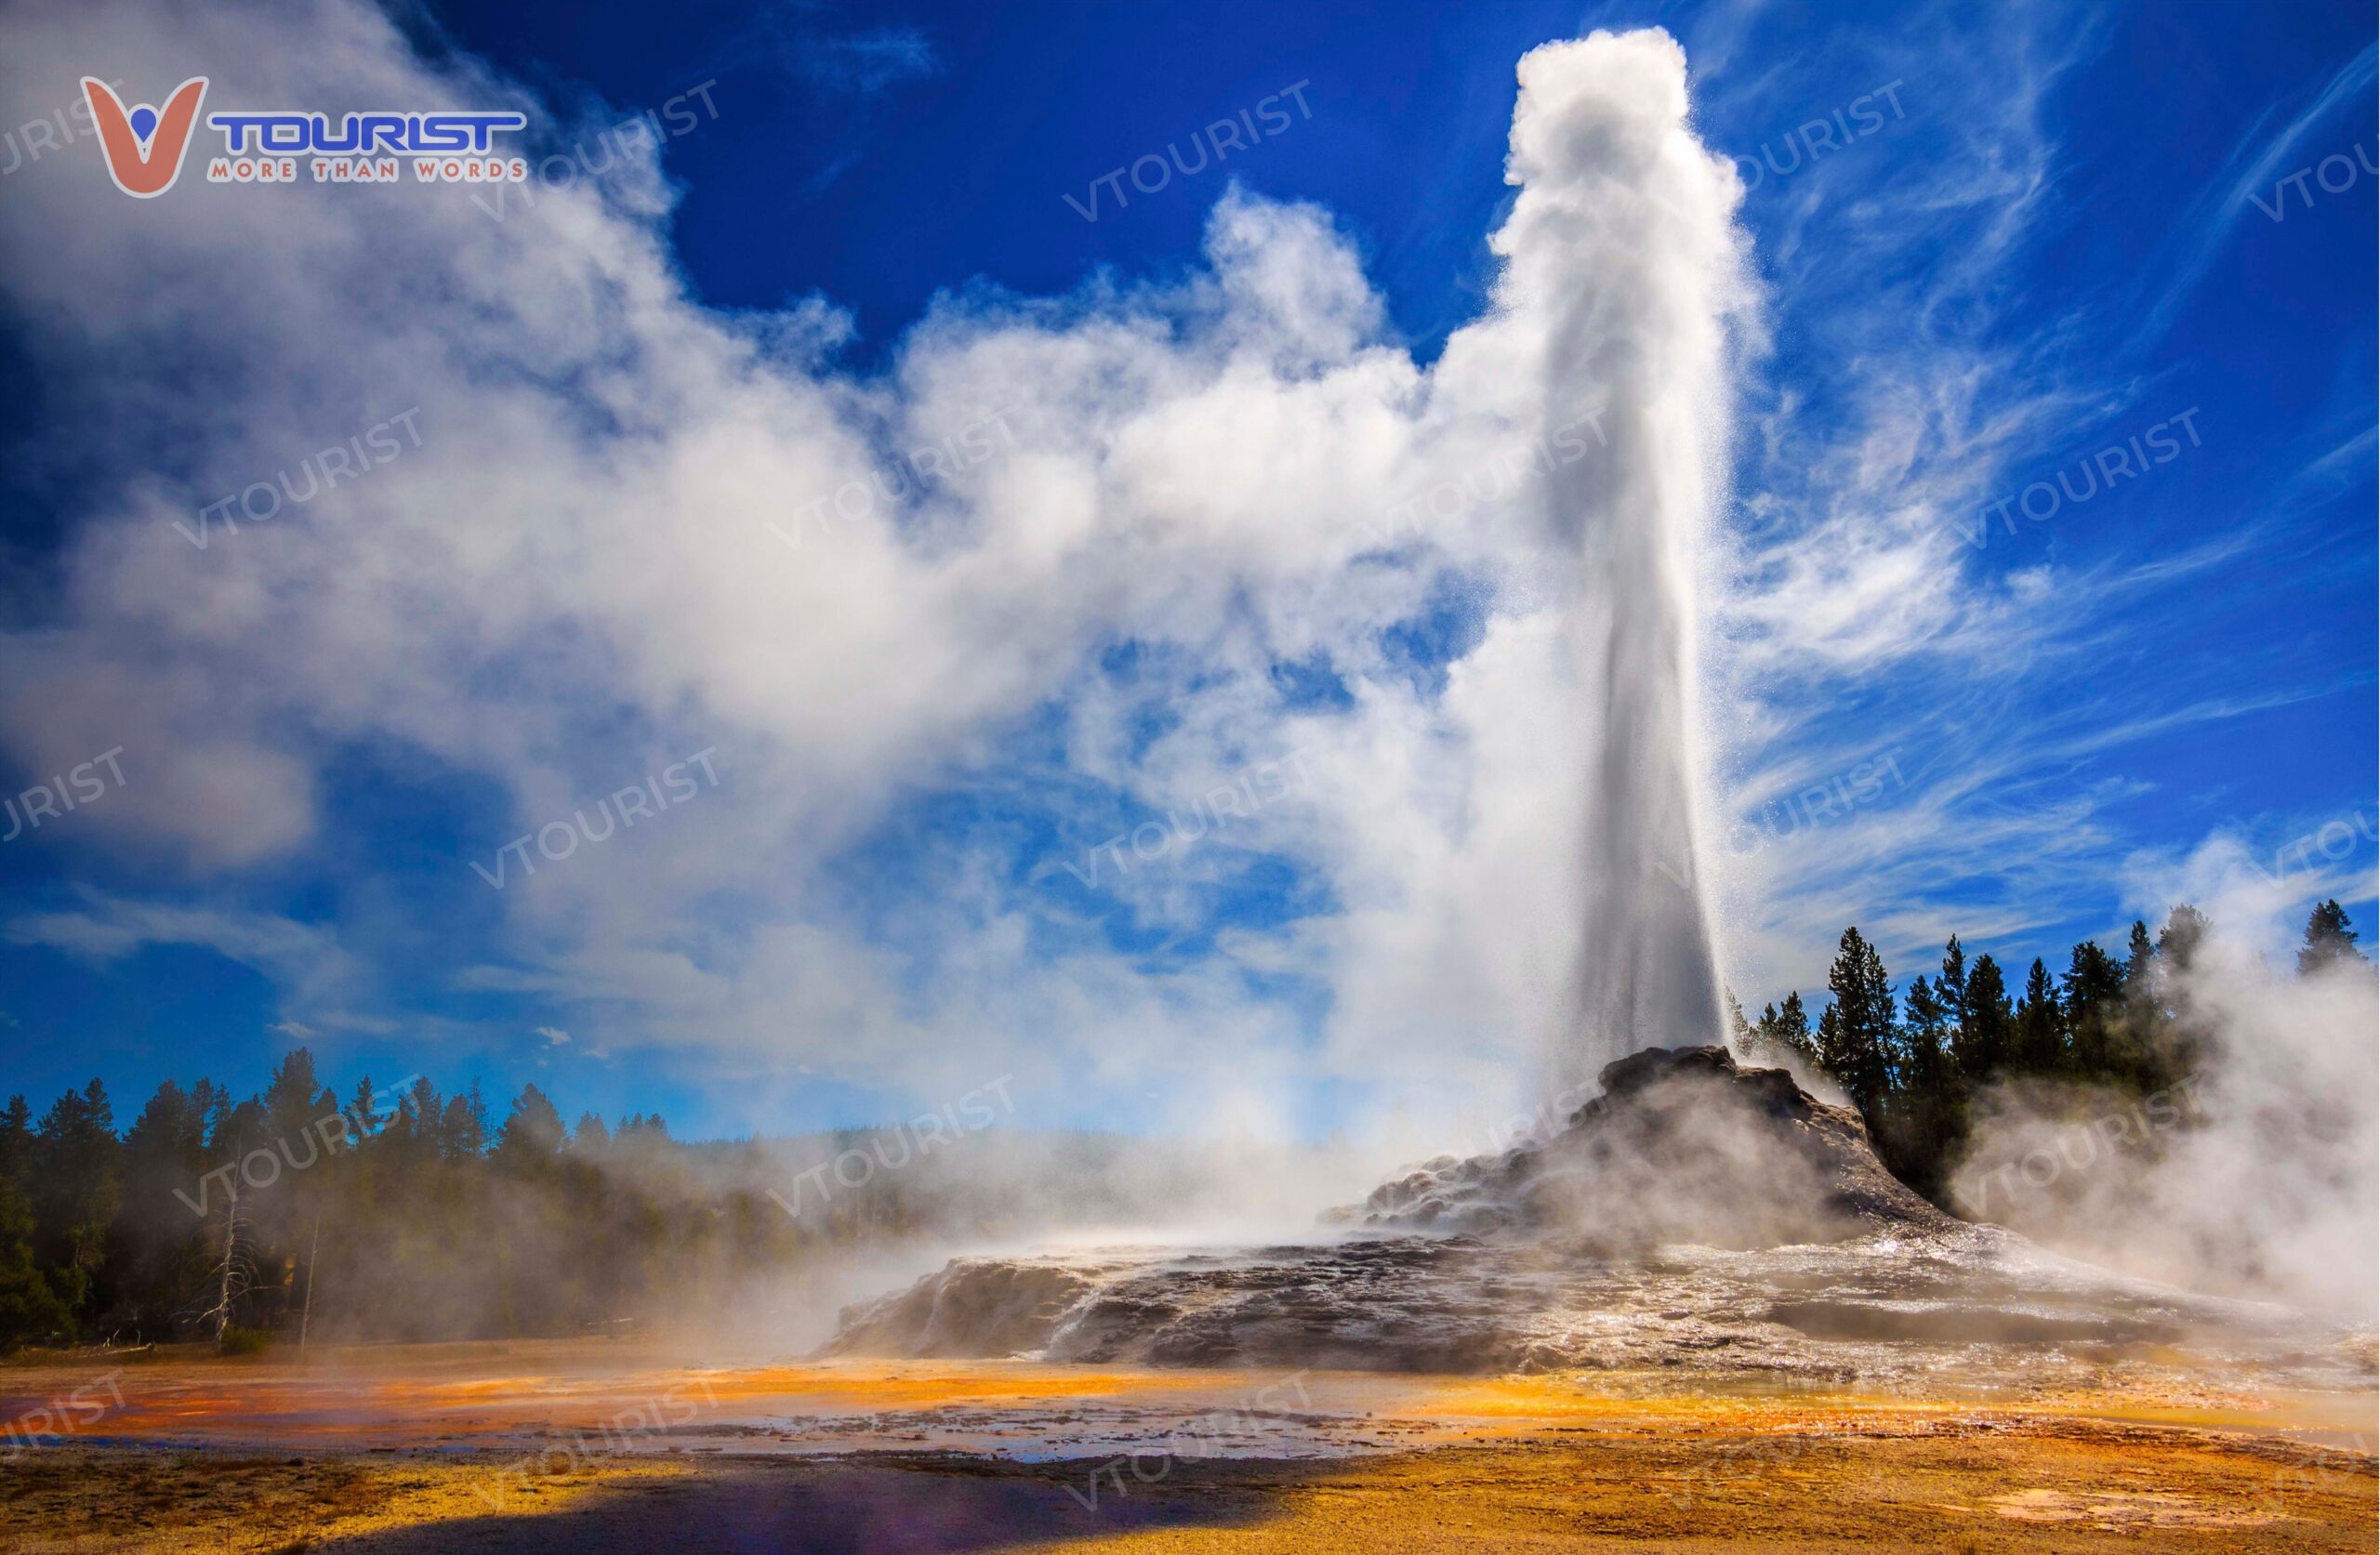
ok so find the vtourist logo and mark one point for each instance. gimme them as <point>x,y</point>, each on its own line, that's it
<point>146,146</point>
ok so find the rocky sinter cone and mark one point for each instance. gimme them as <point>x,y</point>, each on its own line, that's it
<point>1682,1146</point>
<point>1697,1214</point>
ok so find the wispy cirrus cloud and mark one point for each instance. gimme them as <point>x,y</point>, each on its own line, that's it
<point>1942,359</point>
<point>2263,154</point>
<point>866,63</point>
<point>812,42</point>
<point>319,979</point>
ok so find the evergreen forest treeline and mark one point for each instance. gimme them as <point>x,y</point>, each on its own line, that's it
<point>294,1214</point>
<point>1915,1064</point>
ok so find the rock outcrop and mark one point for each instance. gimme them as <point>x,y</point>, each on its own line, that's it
<point>1683,1145</point>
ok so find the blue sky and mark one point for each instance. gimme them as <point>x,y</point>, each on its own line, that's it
<point>2052,237</point>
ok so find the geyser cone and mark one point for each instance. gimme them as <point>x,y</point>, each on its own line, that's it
<point>1623,261</point>
<point>1696,1216</point>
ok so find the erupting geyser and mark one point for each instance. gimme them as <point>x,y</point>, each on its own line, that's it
<point>1622,264</point>
<point>1696,1215</point>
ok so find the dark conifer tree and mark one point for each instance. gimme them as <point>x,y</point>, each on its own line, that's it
<point>2179,1032</point>
<point>1794,1027</point>
<point>264,1218</point>
<point>463,1128</point>
<point>17,1145</point>
<point>1988,1032</point>
<point>157,1246</point>
<point>1785,1031</point>
<point>1859,1050</point>
<point>2093,1000</point>
<point>1925,1030</point>
<point>2149,1038</point>
<point>411,1129</point>
<point>1922,1116</point>
<point>2041,1025</point>
<point>1914,1068</point>
<point>363,1118</point>
<point>1739,1033</point>
<point>289,1098</point>
<point>590,1140</point>
<point>2330,939</point>
<point>2177,943</point>
<point>2141,957</point>
<point>30,1311</point>
<point>1951,989</point>
<point>76,1188</point>
<point>531,1136</point>
<point>1829,1044</point>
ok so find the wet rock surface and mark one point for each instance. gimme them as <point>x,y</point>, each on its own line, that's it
<point>1696,1215</point>
<point>1682,1146</point>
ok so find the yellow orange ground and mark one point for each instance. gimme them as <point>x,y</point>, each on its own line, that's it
<point>2071,1488</point>
<point>390,1451</point>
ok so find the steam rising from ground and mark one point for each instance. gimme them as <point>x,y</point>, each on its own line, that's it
<point>895,1211</point>
<point>1695,1217</point>
<point>2261,1177</point>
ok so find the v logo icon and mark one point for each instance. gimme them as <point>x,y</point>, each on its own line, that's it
<point>144,147</point>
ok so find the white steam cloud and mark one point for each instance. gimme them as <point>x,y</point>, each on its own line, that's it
<point>577,569</point>
<point>2258,1177</point>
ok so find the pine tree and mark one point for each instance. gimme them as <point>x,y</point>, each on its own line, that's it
<point>17,1145</point>
<point>2330,939</point>
<point>1951,989</point>
<point>532,1134</point>
<point>363,1110</point>
<point>2175,1033</point>
<point>1783,1032</point>
<point>157,1244</point>
<point>1924,1027</point>
<point>463,1128</point>
<point>210,1101</point>
<point>1923,1117</point>
<point>1829,1042</point>
<point>1739,1033</point>
<point>383,1238</point>
<point>289,1099</point>
<point>1987,1030</point>
<point>2140,958</point>
<point>2147,1036</point>
<point>1860,1053</point>
<point>2093,1000</point>
<point>30,1311</point>
<point>1794,1027</point>
<point>77,1190</point>
<point>2041,1035</point>
<point>590,1140</point>
<point>280,1211</point>
<point>2178,943</point>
